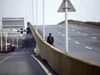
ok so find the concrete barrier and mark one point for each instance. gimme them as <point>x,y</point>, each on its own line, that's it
<point>62,63</point>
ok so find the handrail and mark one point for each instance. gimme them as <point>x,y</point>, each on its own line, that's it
<point>61,62</point>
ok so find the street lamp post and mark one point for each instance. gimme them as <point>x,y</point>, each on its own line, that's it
<point>36,14</point>
<point>6,40</point>
<point>33,11</point>
<point>66,23</point>
<point>43,19</point>
<point>1,35</point>
<point>1,41</point>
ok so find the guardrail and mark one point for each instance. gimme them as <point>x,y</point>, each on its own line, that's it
<point>62,63</point>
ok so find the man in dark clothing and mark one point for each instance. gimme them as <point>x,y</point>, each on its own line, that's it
<point>50,39</point>
<point>28,29</point>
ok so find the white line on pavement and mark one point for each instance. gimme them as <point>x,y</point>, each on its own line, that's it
<point>6,58</point>
<point>44,68</point>
<point>78,32</point>
<point>69,38</point>
<point>88,47</point>
<point>94,38</point>
<point>73,30</point>
<point>63,35</point>
<point>85,34</point>
<point>77,43</point>
<point>55,30</point>
<point>59,32</point>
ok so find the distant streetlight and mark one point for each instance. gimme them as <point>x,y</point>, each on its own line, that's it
<point>1,41</point>
<point>6,40</point>
<point>33,11</point>
<point>44,19</point>
<point>36,13</point>
<point>1,36</point>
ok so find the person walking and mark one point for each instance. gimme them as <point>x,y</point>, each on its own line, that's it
<point>50,39</point>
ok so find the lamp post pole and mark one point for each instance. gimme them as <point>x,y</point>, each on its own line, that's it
<point>43,19</point>
<point>1,41</point>
<point>1,35</point>
<point>6,40</point>
<point>33,11</point>
<point>66,23</point>
<point>36,13</point>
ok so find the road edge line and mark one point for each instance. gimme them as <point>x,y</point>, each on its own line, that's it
<point>6,58</point>
<point>43,67</point>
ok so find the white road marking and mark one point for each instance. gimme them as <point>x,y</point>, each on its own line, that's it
<point>6,58</point>
<point>73,30</point>
<point>78,32</point>
<point>59,32</point>
<point>94,38</point>
<point>69,38</point>
<point>88,47</point>
<point>55,30</point>
<point>77,43</point>
<point>63,35</point>
<point>85,34</point>
<point>44,68</point>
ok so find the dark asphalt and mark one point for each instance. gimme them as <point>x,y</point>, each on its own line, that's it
<point>84,40</point>
<point>21,62</point>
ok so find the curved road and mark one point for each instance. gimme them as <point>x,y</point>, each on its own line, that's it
<point>84,40</point>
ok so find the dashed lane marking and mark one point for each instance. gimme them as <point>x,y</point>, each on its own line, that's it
<point>88,47</point>
<point>93,37</point>
<point>73,30</point>
<point>77,43</point>
<point>63,35</point>
<point>69,38</point>
<point>55,30</point>
<point>78,32</point>
<point>85,34</point>
<point>59,32</point>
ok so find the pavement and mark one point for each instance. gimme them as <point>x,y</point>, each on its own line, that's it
<point>84,40</point>
<point>21,61</point>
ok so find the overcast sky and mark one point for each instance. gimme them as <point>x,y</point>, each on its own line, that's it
<point>86,10</point>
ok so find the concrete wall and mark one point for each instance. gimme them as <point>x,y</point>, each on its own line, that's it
<point>62,63</point>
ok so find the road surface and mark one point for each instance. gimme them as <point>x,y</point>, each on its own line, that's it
<point>21,62</point>
<point>84,40</point>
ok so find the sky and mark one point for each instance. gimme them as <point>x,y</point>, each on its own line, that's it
<point>86,10</point>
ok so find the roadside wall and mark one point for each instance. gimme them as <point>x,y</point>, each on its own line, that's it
<point>62,63</point>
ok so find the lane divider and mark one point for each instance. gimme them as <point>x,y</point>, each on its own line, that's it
<point>63,35</point>
<point>69,38</point>
<point>77,43</point>
<point>88,47</point>
<point>6,58</point>
<point>78,32</point>
<point>94,38</point>
<point>85,34</point>
<point>44,68</point>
